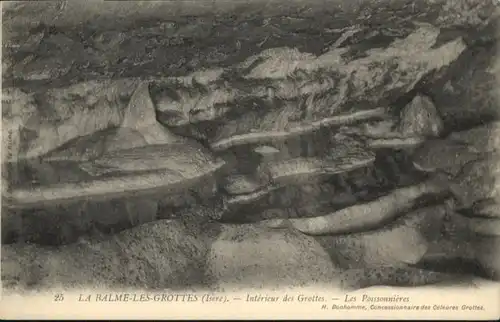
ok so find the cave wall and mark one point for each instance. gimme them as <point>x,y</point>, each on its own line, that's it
<point>312,108</point>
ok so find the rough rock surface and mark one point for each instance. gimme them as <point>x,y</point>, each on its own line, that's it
<point>487,208</point>
<point>377,248</point>
<point>460,241</point>
<point>59,115</point>
<point>249,256</point>
<point>420,117</point>
<point>241,184</point>
<point>484,138</point>
<point>64,224</point>
<point>335,105</point>
<point>157,255</point>
<point>444,155</point>
<point>325,82</point>
<point>355,279</point>
<point>469,96</point>
<point>366,216</point>
<point>478,180</point>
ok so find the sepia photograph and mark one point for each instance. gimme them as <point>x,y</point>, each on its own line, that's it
<point>159,150</point>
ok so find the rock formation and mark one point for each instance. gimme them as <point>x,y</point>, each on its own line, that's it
<point>248,146</point>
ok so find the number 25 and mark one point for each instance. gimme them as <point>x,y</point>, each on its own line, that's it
<point>58,298</point>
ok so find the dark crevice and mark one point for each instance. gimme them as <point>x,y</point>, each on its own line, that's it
<point>362,185</point>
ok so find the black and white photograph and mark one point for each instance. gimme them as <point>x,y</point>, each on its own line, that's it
<point>250,146</point>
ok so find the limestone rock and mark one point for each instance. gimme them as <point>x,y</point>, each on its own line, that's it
<point>55,117</point>
<point>186,157</point>
<point>310,199</point>
<point>369,215</point>
<point>461,240</point>
<point>22,266</point>
<point>396,143</point>
<point>255,197</point>
<point>282,122</point>
<point>23,40</point>
<point>274,213</point>
<point>211,101</point>
<point>478,180</point>
<point>61,223</point>
<point>249,256</point>
<point>478,14</point>
<point>302,170</point>
<point>482,138</point>
<point>465,95</point>
<point>239,184</point>
<point>276,63</point>
<point>475,224</point>
<point>345,155</point>
<point>266,150</point>
<point>487,208</point>
<point>275,80</point>
<point>43,68</point>
<point>485,227</point>
<point>181,104</point>
<point>165,57</point>
<point>420,117</point>
<point>178,169</point>
<point>137,129</point>
<point>159,255</point>
<point>267,153</point>
<point>386,128</point>
<point>367,77</point>
<point>400,243</point>
<point>359,278</point>
<point>445,155</point>
<point>19,114</point>
<point>486,253</point>
<point>356,79</point>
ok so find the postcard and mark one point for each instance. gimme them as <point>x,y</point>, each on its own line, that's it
<point>265,159</point>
